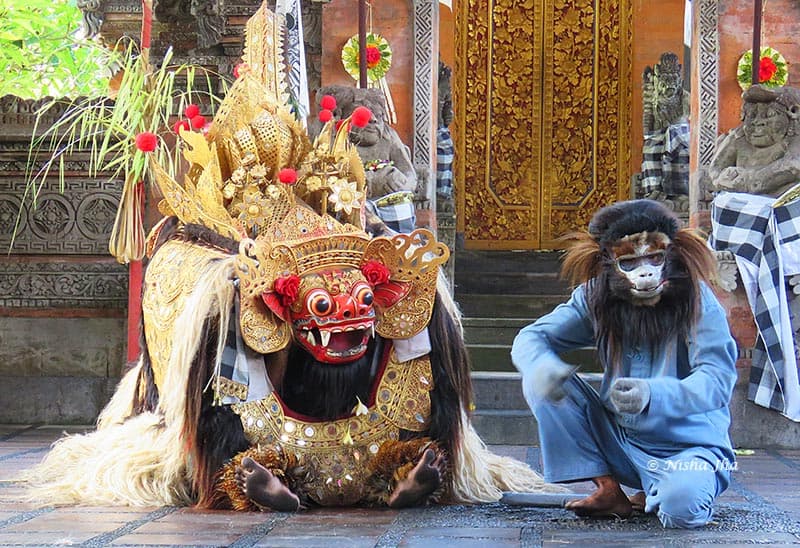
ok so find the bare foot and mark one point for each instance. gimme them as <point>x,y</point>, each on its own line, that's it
<point>423,480</point>
<point>263,488</point>
<point>638,501</point>
<point>609,501</point>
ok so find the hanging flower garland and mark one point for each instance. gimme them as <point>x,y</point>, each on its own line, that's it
<point>379,57</point>
<point>773,70</point>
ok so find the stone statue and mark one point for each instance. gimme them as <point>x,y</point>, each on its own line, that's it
<point>665,101</point>
<point>762,155</point>
<point>665,165</point>
<point>386,158</point>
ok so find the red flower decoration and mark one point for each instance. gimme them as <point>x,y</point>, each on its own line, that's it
<point>287,176</point>
<point>766,69</point>
<point>191,111</point>
<point>373,56</point>
<point>325,115</point>
<point>288,287</point>
<point>181,124</point>
<point>198,121</point>
<point>375,272</point>
<point>146,141</point>
<point>361,116</point>
<point>328,102</point>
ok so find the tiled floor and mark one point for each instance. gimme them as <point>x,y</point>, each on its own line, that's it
<point>761,507</point>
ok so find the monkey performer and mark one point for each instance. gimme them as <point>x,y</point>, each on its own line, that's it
<point>660,420</point>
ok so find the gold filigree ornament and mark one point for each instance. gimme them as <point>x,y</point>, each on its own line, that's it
<point>340,450</point>
<point>414,259</point>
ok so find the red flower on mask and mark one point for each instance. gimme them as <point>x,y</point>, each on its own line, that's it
<point>375,272</point>
<point>288,287</point>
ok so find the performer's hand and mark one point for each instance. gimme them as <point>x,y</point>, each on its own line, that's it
<point>630,395</point>
<point>546,380</point>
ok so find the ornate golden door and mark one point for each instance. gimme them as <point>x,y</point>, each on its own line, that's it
<point>542,105</point>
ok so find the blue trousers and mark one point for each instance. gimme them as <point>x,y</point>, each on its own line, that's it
<point>580,440</point>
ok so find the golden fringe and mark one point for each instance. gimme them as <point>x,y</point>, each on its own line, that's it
<point>481,476</point>
<point>141,461</point>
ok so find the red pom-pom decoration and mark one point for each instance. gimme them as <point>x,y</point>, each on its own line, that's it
<point>191,111</point>
<point>287,176</point>
<point>146,141</point>
<point>181,124</point>
<point>198,121</point>
<point>361,116</point>
<point>328,102</point>
<point>339,124</point>
<point>325,115</point>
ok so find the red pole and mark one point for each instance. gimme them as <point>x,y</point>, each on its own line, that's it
<point>135,268</point>
<point>134,308</point>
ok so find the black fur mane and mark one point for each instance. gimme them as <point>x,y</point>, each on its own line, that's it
<point>618,323</point>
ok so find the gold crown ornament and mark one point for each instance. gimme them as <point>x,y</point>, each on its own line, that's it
<point>296,208</point>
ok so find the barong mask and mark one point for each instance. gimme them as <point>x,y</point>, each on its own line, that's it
<point>306,268</point>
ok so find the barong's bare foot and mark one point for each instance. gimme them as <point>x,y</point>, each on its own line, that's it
<point>263,488</point>
<point>608,501</point>
<point>423,480</point>
<point>638,501</point>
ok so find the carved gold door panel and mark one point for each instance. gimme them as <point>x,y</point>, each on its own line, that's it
<point>542,104</point>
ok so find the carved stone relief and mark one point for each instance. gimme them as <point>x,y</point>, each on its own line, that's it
<point>63,284</point>
<point>426,71</point>
<point>707,56</point>
<point>77,221</point>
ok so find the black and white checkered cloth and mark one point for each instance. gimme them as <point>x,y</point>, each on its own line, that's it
<point>762,238</point>
<point>445,151</point>
<point>665,160</point>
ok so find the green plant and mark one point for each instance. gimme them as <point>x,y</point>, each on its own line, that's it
<point>43,52</point>
<point>147,100</point>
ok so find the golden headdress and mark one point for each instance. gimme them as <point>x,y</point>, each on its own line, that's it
<point>295,207</point>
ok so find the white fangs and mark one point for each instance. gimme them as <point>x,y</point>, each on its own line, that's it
<point>310,338</point>
<point>325,336</point>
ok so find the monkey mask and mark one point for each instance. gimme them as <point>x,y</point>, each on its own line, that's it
<point>635,236</point>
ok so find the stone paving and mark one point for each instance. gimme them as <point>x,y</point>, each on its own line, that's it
<point>761,507</point>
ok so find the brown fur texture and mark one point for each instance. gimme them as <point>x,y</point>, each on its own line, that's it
<point>283,466</point>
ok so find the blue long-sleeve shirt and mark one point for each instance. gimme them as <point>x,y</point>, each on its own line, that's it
<point>691,381</point>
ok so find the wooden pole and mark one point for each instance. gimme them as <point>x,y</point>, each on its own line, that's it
<point>362,43</point>
<point>757,8</point>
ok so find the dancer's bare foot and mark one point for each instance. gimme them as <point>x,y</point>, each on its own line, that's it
<point>423,480</point>
<point>263,488</point>
<point>638,501</point>
<point>608,501</point>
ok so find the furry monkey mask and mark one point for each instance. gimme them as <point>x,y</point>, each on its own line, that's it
<point>642,274</point>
